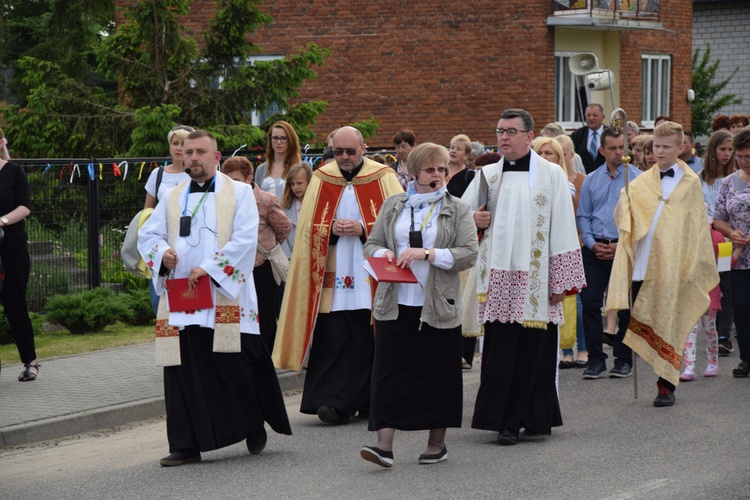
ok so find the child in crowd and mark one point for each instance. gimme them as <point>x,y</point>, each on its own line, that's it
<point>664,255</point>
<point>298,179</point>
<point>707,321</point>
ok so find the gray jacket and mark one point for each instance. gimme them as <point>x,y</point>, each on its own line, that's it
<point>456,232</point>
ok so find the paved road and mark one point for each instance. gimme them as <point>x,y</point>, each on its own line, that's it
<point>611,447</point>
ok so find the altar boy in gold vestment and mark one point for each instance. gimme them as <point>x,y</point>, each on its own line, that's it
<point>665,253</point>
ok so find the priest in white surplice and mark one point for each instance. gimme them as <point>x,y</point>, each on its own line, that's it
<point>219,381</point>
<point>529,256</point>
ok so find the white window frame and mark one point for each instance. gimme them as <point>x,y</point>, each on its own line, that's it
<point>655,93</point>
<point>565,117</point>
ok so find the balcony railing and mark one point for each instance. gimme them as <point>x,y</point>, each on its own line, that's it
<point>615,10</point>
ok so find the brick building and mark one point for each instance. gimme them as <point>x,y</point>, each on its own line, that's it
<point>443,68</point>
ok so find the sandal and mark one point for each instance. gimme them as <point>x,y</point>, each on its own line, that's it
<point>27,375</point>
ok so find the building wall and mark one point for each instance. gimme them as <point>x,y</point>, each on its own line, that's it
<point>443,68</point>
<point>724,25</point>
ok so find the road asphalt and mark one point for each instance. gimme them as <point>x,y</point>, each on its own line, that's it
<point>85,392</point>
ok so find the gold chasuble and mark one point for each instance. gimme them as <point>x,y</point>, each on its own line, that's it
<point>681,268</point>
<point>310,283</point>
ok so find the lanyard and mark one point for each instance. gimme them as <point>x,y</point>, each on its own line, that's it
<point>195,210</point>
<point>421,227</point>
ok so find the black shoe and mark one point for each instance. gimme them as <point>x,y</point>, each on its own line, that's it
<point>621,370</point>
<point>742,370</point>
<point>181,458</point>
<point>377,456</point>
<point>441,456</point>
<point>256,441</point>
<point>508,437</point>
<point>665,397</point>
<point>725,347</point>
<point>594,370</point>
<point>331,415</point>
<point>609,338</point>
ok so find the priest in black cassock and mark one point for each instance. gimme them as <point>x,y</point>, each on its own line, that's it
<point>220,384</point>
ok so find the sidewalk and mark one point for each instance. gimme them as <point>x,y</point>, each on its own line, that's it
<point>80,393</point>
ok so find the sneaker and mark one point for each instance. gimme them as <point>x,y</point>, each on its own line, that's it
<point>725,347</point>
<point>664,398</point>
<point>742,370</point>
<point>711,371</point>
<point>594,370</point>
<point>688,375</point>
<point>621,370</point>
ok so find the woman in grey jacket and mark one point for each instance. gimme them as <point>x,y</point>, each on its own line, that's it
<point>416,377</point>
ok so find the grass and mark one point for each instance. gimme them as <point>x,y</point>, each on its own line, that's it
<point>64,343</point>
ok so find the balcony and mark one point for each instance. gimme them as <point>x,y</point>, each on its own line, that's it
<point>605,14</point>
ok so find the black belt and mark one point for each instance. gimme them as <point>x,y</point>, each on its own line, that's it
<point>606,241</point>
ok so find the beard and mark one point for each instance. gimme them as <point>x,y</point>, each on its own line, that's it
<point>197,175</point>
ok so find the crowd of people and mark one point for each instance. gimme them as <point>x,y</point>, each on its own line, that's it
<point>536,248</point>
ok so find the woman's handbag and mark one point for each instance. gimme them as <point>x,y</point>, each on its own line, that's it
<point>279,262</point>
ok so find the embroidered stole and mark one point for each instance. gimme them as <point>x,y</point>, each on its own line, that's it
<point>227,315</point>
<point>537,296</point>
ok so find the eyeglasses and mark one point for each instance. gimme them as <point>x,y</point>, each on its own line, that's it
<point>431,170</point>
<point>348,151</point>
<point>742,158</point>
<point>510,131</point>
<point>182,127</point>
<point>279,138</point>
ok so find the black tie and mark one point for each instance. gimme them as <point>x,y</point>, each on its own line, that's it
<point>668,173</point>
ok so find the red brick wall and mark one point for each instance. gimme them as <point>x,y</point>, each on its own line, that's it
<point>442,70</point>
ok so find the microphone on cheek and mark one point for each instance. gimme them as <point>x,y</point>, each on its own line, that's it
<point>187,170</point>
<point>431,184</point>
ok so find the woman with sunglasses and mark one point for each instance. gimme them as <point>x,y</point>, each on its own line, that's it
<point>416,381</point>
<point>282,151</point>
<point>163,179</point>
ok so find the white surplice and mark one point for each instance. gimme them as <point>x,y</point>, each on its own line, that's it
<point>230,266</point>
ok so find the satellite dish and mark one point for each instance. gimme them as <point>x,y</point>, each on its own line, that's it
<point>583,64</point>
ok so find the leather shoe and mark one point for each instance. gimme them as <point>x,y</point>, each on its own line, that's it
<point>665,397</point>
<point>742,370</point>
<point>594,370</point>
<point>256,441</point>
<point>181,458</point>
<point>609,338</point>
<point>331,415</point>
<point>377,456</point>
<point>441,456</point>
<point>508,437</point>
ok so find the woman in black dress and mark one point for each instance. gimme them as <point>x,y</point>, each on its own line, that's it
<point>15,203</point>
<point>416,380</point>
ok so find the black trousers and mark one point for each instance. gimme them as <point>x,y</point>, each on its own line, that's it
<point>265,288</point>
<point>14,250</point>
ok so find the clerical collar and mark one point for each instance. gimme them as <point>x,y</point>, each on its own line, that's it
<point>351,175</point>
<point>519,165</point>
<point>207,186</point>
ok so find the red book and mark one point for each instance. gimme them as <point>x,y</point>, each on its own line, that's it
<point>183,298</point>
<point>382,270</point>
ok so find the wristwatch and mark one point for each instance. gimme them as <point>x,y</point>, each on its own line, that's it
<point>426,254</point>
<point>5,221</point>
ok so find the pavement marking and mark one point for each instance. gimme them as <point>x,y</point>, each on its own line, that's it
<point>644,488</point>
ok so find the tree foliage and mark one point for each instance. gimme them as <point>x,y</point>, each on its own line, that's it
<point>163,77</point>
<point>707,101</point>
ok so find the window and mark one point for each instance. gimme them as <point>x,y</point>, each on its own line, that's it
<point>656,73</point>
<point>257,117</point>
<point>566,97</point>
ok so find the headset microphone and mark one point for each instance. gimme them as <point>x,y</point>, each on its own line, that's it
<point>187,170</point>
<point>432,184</point>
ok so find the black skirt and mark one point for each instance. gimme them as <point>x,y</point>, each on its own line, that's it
<point>517,388</point>
<point>416,377</point>
<point>218,399</point>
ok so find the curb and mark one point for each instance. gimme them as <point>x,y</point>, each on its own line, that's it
<point>104,418</point>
